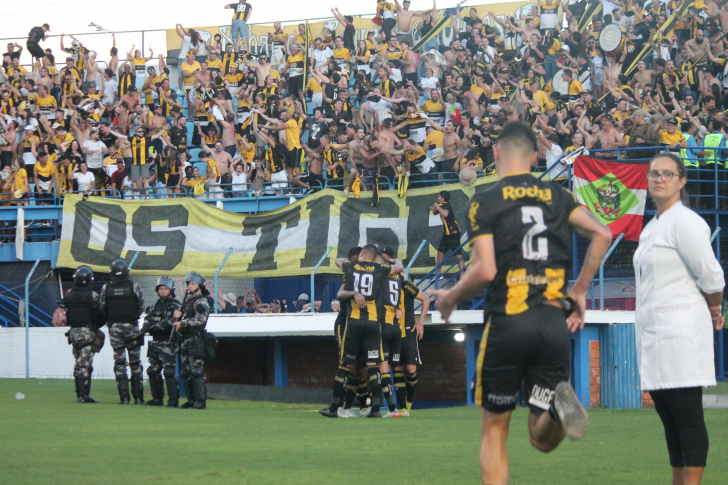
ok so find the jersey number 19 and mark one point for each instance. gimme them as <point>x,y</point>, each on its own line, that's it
<point>363,284</point>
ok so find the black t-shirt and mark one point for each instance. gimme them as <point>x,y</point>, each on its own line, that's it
<point>449,225</point>
<point>315,132</point>
<point>107,140</point>
<point>529,222</point>
<point>348,37</point>
<point>366,278</point>
<point>178,137</point>
<point>410,292</point>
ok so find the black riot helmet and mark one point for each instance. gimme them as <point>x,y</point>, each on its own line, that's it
<point>196,278</point>
<point>119,267</point>
<point>165,281</point>
<point>83,276</point>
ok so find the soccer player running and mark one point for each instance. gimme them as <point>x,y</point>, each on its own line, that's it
<point>362,334</point>
<point>520,232</point>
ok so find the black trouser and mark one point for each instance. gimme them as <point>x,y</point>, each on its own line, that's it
<point>681,412</point>
<point>387,26</point>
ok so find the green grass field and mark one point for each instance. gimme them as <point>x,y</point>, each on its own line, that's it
<point>48,438</point>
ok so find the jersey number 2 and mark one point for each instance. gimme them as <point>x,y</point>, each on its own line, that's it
<point>534,215</point>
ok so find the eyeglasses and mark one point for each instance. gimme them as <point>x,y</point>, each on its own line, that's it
<point>653,176</point>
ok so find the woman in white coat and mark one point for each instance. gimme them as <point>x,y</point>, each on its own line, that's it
<point>679,293</point>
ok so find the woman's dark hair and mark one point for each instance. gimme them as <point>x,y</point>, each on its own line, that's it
<point>194,37</point>
<point>681,173</point>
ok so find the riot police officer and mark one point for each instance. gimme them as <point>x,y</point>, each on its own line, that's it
<point>193,318</point>
<point>82,315</point>
<point>122,302</point>
<point>162,351</point>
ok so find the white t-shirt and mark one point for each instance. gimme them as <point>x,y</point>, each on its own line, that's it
<point>382,108</point>
<point>110,91</point>
<point>430,83</point>
<point>553,155</point>
<point>85,182</point>
<point>95,159</point>
<point>322,56</point>
<point>186,44</point>
<point>239,181</point>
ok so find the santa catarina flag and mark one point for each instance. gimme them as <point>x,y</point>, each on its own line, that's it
<point>615,192</point>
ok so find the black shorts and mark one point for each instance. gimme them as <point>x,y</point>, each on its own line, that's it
<point>450,242</point>
<point>172,180</point>
<point>293,158</point>
<point>361,338</point>
<point>391,343</point>
<point>531,348</point>
<point>6,159</point>
<point>295,84</point>
<point>368,175</point>
<point>35,49</point>
<point>315,180</point>
<point>410,353</point>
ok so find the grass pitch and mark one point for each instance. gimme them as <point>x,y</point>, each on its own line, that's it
<point>48,438</point>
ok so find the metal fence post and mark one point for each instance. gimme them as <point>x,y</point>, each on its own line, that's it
<point>601,271</point>
<point>313,274</point>
<point>133,260</point>
<point>224,260</point>
<point>412,261</point>
<point>27,318</point>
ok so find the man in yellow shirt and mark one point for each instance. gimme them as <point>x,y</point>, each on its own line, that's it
<point>673,138</point>
<point>539,96</point>
<point>214,63</point>
<point>575,87</point>
<point>189,68</point>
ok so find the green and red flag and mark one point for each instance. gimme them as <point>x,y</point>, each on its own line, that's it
<point>615,192</point>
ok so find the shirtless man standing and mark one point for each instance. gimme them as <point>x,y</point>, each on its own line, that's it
<point>228,129</point>
<point>409,64</point>
<point>452,55</point>
<point>698,45</point>
<point>203,76</point>
<point>609,137</point>
<point>404,22</point>
<point>387,140</point>
<point>263,68</point>
<point>451,145</point>
<point>369,155</point>
<point>642,77</point>
<point>316,163</point>
<point>353,147</point>
<point>155,124</point>
<point>93,68</point>
<point>223,160</point>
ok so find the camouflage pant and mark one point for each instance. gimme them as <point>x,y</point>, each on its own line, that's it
<point>81,340</point>
<point>161,355</point>
<point>191,356</point>
<point>118,333</point>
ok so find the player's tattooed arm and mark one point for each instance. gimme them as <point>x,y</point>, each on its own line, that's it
<point>361,302</point>
<point>396,267</point>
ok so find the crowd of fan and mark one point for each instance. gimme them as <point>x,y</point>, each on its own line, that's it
<point>379,110</point>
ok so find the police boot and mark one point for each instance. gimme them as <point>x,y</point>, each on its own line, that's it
<point>137,388</point>
<point>87,390</point>
<point>190,394</point>
<point>200,393</point>
<point>156,386</point>
<point>79,388</point>
<point>170,377</point>
<point>122,383</point>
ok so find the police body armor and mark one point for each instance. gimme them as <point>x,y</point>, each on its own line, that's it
<point>122,305</point>
<point>158,320</point>
<point>81,309</point>
<point>188,311</point>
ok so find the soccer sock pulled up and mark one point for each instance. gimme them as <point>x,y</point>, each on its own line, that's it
<point>411,383</point>
<point>362,392</point>
<point>400,388</point>
<point>339,385</point>
<point>352,384</point>
<point>387,391</point>
<point>375,381</point>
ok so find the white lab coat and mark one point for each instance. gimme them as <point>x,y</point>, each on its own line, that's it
<point>673,264</point>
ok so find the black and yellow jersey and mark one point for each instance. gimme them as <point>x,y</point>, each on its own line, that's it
<point>295,64</point>
<point>392,301</point>
<point>334,166</point>
<point>9,104</point>
<point>139,64</point>
<point>394,57</point>
<point>528,219</point>
<point>549,9</point>
<point>449,225</point>
<point>409,295</point>
<point>215,66</point>
<point>417,156</point>
<point>126,80</point>
<point>274,157</point>
<point>416,127</point>
<point>241,11</point>
<point>64,171</point>
<point>385,10</point>
<point>227,59</point>
<point>365,278</point>
<point>140,149</point>
<point>435,110</point>
<point>387,87</point>
<point>342,57</point>
<point>164,101</point>
<point>234,79</point>
<point>151,84</point>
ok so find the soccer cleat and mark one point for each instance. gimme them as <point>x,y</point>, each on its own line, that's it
<point>404,413</point>
<point>572,414</point>
<point>345,413</point>
<point>328,413</point>
<point>391,414</point>
<point>374,415</point>
<point>364,413</point>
